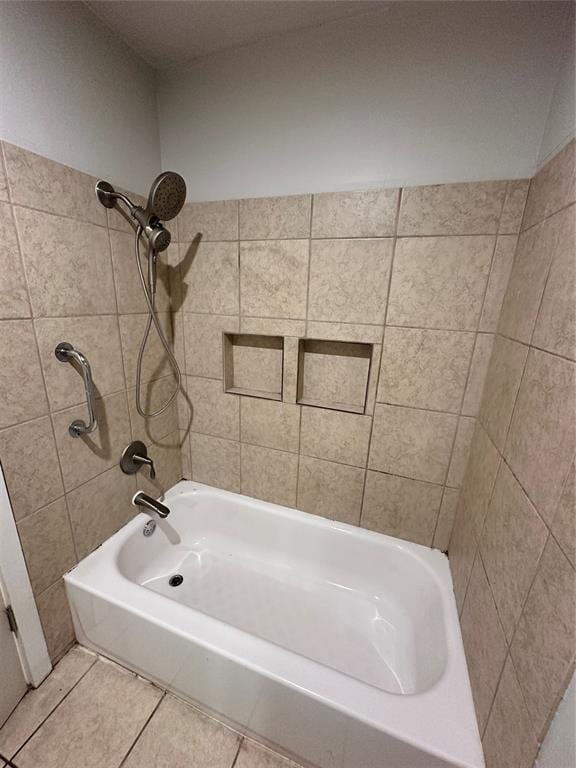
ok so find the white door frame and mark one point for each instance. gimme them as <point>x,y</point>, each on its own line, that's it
<point>17,592</point>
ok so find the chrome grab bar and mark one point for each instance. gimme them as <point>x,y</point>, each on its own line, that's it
<point>66,353</point>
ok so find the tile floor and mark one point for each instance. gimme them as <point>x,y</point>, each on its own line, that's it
<point>92,713</point>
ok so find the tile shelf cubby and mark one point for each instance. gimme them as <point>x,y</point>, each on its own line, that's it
<point>334,374</point>
<point>329,374</point>
<point>253,365</point>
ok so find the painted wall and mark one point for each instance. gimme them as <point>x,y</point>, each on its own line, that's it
<point>71,92</point>
<point>561,123</point>
<point>413,94</point>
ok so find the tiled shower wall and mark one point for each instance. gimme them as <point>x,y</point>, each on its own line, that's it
<point>67,273</point>
<point>420,273</point>
<point>513,549</point>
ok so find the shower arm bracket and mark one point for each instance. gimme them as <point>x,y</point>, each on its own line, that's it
<point>66,353</point>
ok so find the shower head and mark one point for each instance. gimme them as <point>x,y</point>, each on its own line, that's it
<point>165,200</point>
<point>167,196</point>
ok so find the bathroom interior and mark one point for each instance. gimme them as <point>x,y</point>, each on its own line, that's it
<point>287,384</point>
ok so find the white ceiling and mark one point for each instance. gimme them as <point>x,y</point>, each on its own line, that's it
<point>166,33</point>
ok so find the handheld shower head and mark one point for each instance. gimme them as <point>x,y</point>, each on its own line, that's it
<point>167,196</point>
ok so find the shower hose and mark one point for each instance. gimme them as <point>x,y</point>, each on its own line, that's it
<point>150,296</point>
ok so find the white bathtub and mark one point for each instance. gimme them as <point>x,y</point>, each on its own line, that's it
<point>339,646</point>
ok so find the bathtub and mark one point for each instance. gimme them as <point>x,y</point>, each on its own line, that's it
<point>337,646</point>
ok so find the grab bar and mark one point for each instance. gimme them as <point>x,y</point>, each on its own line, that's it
<point>66,353</point>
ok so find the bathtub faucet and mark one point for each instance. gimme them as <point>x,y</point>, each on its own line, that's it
<point>142,499</point>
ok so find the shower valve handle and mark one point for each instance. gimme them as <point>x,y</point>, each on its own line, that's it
<point>137,459</point>
<point>135,456</point>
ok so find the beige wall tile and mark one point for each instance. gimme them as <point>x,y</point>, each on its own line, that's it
<point>38,703</point>
<point>446,518</point>
<point>330,490</point>
<point>101,507</point>
<point>106,711</point>
<point>167,455</point>
<point>3,181</point>
<point>21,383</point>
<point>462,550</point>
<point>214,221</point>
<point>425,369</point>
<point>56,622</point>
<point>127,280</point>
<point>511,544</point>
<point>553,187</point>
<point>349,280</point>
<point>155,361</point>
<point>185,455</point>
<point>154,395</point>
<point>203,341</point>
<point>564,522</point>
<point>98,338</point>
<point>477,374</point>
<point>215,413</point>
<point>275,217</point>
<point>47,543</point>
<point>400,507</point>
<point>461,451</point>
<point>179,735</point>
<point>479,479</point>
<point>270,424</point>
<point>68,265</point>
<point>269,475</point>
<point>85,457</point>
<point>31,483</point>
<point>484,642</point>
<point>13,291</point>
<point>513,210</point>
<point>509,739</point>
<point>556,323</point>
<point>216,462</point>
<point>411,442</point>
<point>37,182</point>
<point>362,213</point>
<point>534,254</point>
<point>544,646</point>
<point>334,435</point>
<point>452,209</point>
<point>497,282</point>
<point>439,282</point>
<point>334,374</point>
<point>366,334</point>
<point>209,273</point>
<point>542,438</point>
<point>273,326</point>
<point>273,277</point>
<point>501,388</point>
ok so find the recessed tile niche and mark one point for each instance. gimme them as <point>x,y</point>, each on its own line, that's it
<point>253,365</point>
<point>334,374</point>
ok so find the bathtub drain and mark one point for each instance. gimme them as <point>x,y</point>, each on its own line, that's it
<point>175,581</point>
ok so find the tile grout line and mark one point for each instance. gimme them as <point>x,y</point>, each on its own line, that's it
<point>382,356</point>
<point>146,723</point>
<point>237,755</point>
<point>51,712</point>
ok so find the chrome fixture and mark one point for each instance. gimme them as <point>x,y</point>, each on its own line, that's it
<point>142,499</point>
<point>165,200</point>
<point>135,456</point>
<point>149,528</point>
<point>66,353</point>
